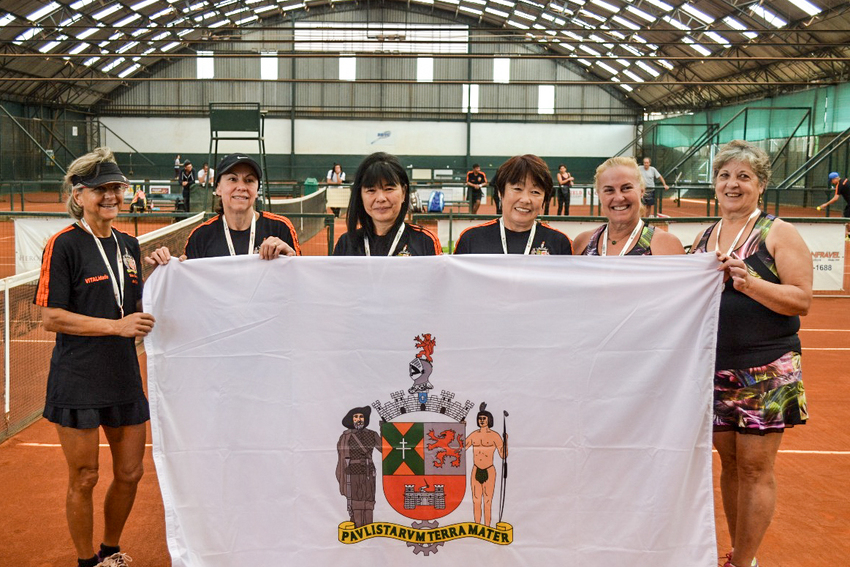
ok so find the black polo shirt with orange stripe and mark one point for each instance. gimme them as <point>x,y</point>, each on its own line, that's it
<point>207,240</point>
<point>90,372</point>
<point>414,241</point>
<point>486,239</point>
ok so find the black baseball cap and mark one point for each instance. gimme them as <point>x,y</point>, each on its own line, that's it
<point>228,162</point>
<point>103,173</point>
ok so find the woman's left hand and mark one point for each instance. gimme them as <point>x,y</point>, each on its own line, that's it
<point>272,247</point>
<point>735,269</point>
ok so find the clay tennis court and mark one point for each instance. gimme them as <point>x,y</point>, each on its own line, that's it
<point>811,526</point>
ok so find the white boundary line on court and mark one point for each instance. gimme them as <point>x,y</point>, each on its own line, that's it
<point>825,348</point>
<point>827,330</point>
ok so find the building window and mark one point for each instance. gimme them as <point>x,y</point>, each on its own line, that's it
<point>425,69</point>
<point>501,70</point>
<point>469,102</point>
<point>347,68</point>
<point>546,99</point>
<point>268,66</point>
<point>206,65</point>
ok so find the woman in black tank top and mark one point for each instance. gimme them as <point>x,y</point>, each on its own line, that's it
<point>758,389</point>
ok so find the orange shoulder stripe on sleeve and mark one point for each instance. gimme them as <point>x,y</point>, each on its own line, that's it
<point>488,223</point>
<point>212,220</point>
<point>289,225</point>
<point>44,276</point>
<point>438,249</point>
<point>558,231</point>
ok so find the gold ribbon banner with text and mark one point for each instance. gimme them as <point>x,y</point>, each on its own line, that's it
<point>502,534</point>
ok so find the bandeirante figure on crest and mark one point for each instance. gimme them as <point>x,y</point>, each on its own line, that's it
<point>355,469</point>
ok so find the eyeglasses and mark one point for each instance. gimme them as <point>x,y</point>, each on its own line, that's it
<point>116,188</point>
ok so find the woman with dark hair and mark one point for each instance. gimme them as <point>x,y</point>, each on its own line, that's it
<point>238,228</point>
<point>524,184</point>
<point>380,196</point>
<point>90,291</point>
<point>758,381</point>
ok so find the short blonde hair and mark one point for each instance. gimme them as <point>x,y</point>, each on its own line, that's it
<point>80,167</point>
<point>741,150</point>
<point>620,161</point>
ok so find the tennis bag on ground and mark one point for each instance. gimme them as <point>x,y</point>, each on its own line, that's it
<point>436,202</point>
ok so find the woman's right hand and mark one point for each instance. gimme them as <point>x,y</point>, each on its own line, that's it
<point>160,257</point>
<point>134,325</point>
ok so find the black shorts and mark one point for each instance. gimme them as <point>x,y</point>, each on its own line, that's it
<point>475,195</point>
<point>648,198</point>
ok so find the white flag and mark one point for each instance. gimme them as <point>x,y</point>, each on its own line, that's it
<point>596,371</point>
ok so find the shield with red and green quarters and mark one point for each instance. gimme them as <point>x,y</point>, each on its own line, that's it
<point>424,467</point>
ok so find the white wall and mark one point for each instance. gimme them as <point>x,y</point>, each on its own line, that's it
<point>359,137</point>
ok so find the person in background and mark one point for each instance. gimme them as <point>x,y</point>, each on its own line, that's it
<point>524,183</point>
<point>619,186</point>
<point>90,292</point>
<point>842,189</point>
<point>178,167</point>
<point>758,381</point>
<point>565,183</point>
<point>380,198</point>
<point>206,175</point>
<point>650,175</point>
<point>335,176</point>
<point>476,180</point>
<point>187,180</point>
<point>139,202</point>
<point>237,229</point>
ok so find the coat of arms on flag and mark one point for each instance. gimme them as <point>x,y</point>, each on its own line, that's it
<point>423,464</point>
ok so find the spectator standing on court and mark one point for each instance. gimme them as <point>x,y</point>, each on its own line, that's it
<point>380,198</point>
<point>178,167</point>
<point>90,291</point>
<point>842,189</point>
<point>187,180</point>
<point>238,228</point>
<point>650,175</point>
<point>335,176</point>
<point>476,180</point>
<point>524,183</point>
<point>565,183</point>
<point>758,387</point>
<point>619,186</point>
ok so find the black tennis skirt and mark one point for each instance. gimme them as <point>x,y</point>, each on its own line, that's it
<point>120,415</point>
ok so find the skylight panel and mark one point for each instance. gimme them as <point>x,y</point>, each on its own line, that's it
<point>560,22</point>
<point>27,35</point>
<point>666,64</point>
<point>591,15</point>
<point>140,31</point>
<point>80,4</point>
<point>115,36</point>
<point>43,12</point>
<point>698,14</point>
<point>641,14</point>
<point>161,13</point>
<point>663,5</point>
<point>70,21</point>
<point>572,35</point>
<point>624,62</point>
<point>219,24</point>
<point>617,34</point>
<point>142,4</point>
<point>596,38</point>
<point>607,67</point>
<point>505,3</point>
<point>632,50</point>
<point>472,11</point>
<point>589,50</point>
<point>260,10</point>
<point>582,23</point>
<point>768,16</point>
<point>696,47</point>
<point>49,46</point>
<point>605,5</point>
<point>626,23</point>
<point>807,7</point>
<point>160,36</point>
<point>548,17</point>
<point>496,12</point>
<point>525,16</point>
<point>632,76</point>
<point>676,23</point>
<point>170,46</point>
<point>584,62</point>
<point>292,7</point>
<point>247,20</point>
<point>91,61</point>
<point>86,33</point>
<point>195,7</point>
<point>735,24</point>
<point>110,66</point>
<point>208,15</point>
<point>6,20</point>
<point>148,51</point>
<point>187,31</point>
<point>649,69</point>
<point>425,1</point>
<point>127,47</point>
<point>625,87</point>
<point>129,70</point>
<point>236,11</point>
<point>109,10</point>
<point>717,38</point>
<point>128,20</point>
<point>531,3</point>
<point>79,48</point>
<point>517,25</point>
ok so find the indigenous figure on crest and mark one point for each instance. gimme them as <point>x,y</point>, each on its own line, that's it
<point>484,442</point>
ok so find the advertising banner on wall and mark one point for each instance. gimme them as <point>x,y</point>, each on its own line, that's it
<point>31,235</point>
<point>826,243</point>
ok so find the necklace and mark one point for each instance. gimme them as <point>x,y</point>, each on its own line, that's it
<point>625,249</point>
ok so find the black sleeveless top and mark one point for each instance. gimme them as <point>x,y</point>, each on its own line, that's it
<point>641,248</point>
<point>748,333</point>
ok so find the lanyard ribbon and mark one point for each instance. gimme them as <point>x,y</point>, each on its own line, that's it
<point>230,240</point>
<point>392,248</point>
<point>754,214</point>
<point>628,244</point>
<point>505,240</point>
<point>117,284</point>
